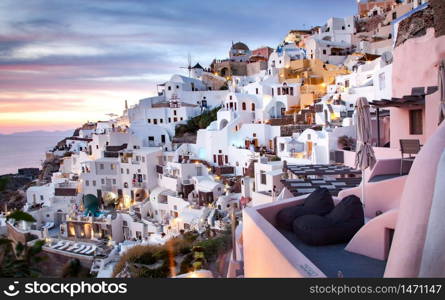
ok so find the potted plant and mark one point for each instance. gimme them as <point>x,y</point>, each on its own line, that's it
<point>345,142</point>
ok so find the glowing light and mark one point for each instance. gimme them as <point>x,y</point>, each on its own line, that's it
<point>127,201</point>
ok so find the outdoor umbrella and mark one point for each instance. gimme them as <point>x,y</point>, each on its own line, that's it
<point>442,90</point>
<point>364,157</point>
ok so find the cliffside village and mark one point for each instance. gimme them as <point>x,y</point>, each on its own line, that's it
<point>282,124</point>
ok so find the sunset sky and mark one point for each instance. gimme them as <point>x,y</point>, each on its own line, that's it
<point>66,62</point>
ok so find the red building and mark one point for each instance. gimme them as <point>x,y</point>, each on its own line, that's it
<point>263,52</point>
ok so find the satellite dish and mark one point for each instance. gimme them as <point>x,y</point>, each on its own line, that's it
<point>387,57</point>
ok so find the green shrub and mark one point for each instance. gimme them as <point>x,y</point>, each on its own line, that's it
<point>186,264</point>
<point>199,122</point>
<point>3,182</point>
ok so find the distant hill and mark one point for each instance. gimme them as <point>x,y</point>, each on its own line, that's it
<point>61,133</point>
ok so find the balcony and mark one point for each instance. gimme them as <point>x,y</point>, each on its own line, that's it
<point>109,188</point>
<point>140,185</point>
<point>273,252</point>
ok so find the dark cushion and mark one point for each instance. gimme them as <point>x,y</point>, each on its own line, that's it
<point>319,202</point>
<point>339,226</point>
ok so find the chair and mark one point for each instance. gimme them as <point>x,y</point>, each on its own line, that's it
<point>409,147</point>
<point>338,226</point>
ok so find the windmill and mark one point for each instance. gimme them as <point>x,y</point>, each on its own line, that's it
<point>189,67</point>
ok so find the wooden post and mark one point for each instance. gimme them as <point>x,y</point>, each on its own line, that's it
<point>233,221</point>
<point>378,126</point>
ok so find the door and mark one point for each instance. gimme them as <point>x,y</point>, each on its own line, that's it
<point>99,195</point>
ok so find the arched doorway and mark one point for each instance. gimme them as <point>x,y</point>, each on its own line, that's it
<point>224,72</point>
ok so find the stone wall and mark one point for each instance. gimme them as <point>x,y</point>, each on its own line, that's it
<point>418,23</point>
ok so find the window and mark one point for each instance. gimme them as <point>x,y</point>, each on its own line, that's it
<point>94,182</point>
<point>263,177</point>
<point>226,159</point>
<point>214,158</point>
<point>87,182</point>
<point>174,112</point>
<point>175,207</point>
<point>253,106</point>
<point>112,166</point>
<point>155,121</point>
<point>143,159</point>
<point>272,92</point>
<point>169,120</point>
<point>324,51</point>
<point>415,121</point>
<point>163,138</point>
<point>169,88</point>
<point>175,119</point>
<point>230,97</point>
<point>114,181</point>
<point>256,91</point>
<point>181,118</point>
<point>281,146</point>
<point>149,120</point>
<point>102,181</point>
<point>101,166</point>
<point>161,121</point>
<point>177,86</point>
<point>346,83</point>
<point>122,170</point>
<point>278,91</point>
<point>244,105</point>
<point>343,28</point>
<point>128,171</point>
<point>291,91</point>
<point>41,197</point>
<point>394,15</point>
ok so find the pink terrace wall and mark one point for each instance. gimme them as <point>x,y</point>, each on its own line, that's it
<point>372,240</point>
<point>416,65</point>
<point>415,205</point>
<point>267,253</point>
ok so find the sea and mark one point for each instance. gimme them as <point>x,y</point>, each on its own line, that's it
<point>24,151</point>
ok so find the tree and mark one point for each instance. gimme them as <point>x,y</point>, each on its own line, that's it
<point>72,269</point>
<point>20,261</point>
<point>19,215</point>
